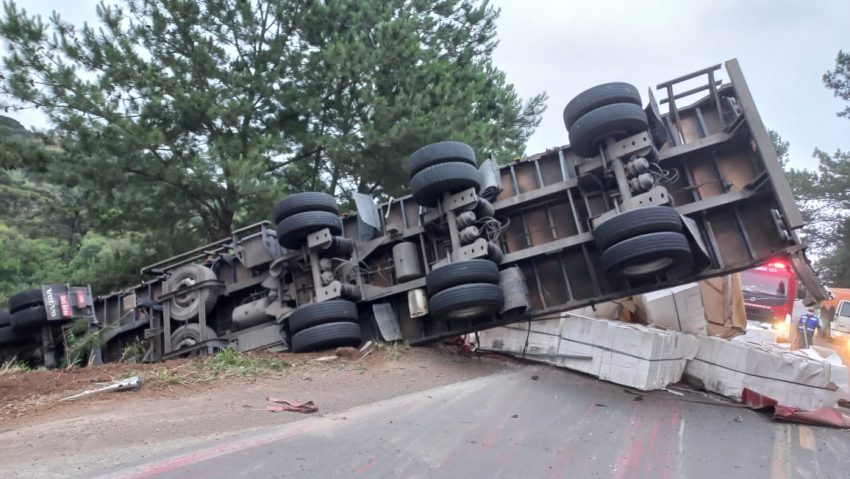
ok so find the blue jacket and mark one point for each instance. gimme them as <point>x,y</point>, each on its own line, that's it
<point>808,323</point>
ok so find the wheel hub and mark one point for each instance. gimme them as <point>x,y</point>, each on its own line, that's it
<point>649,267</point>
<point>185,300</point>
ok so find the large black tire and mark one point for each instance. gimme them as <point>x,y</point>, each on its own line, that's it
<point>437,153</point>
<point>652,253</point>
<point>301,202</point>
<point>429,184</point>
<point>9,337</point>
<point>293,231</point>
<point>598,96</point>
<point>187,306</point>
<point>462,272</point>
<point>467,301</point>
<point>4,317</point>
<point>649,219</point>
<point>332,311</point>
<point>324,336</point>
<point>26,320</point>
<point>189,335</point>
<point>617,121</point>
<point>25,299</point>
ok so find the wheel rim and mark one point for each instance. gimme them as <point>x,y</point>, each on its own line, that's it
<point>184,343</point>
<point>185,300</point>
<point>649,267</point>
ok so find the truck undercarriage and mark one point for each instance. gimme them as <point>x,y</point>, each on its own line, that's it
<point>646,197</point>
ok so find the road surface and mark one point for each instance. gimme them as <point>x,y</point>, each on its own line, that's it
<point>533,421</point>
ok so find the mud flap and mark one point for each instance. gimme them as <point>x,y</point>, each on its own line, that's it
<point>700,258</point>
<point>387,321</point>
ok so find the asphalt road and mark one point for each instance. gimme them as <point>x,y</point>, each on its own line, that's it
<point>561,424</point>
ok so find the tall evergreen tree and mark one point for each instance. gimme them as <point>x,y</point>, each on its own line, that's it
<point>184,113</point>
<point>824,194</point>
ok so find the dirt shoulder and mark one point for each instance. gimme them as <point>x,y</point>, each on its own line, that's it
<point>43,438</point>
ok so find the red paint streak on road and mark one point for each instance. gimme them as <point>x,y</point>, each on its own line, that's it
<point>563,456</point>
<point>630,460</point>
<point>672,442</point>
<point>365,467</point>
<point>492,438</point>
<point>210,453</point>
<point>655,454</point>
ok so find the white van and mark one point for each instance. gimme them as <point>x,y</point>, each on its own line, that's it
<point>839,328</point>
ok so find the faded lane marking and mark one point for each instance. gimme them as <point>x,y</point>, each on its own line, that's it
<point>807,438</point>
<point>781,452</point>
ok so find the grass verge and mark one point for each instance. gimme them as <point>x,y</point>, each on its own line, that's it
<point>13,366</point>
<point>226,363</point>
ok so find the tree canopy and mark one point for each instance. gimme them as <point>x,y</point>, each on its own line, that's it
<point>196,115</point>
<point>824,194</point>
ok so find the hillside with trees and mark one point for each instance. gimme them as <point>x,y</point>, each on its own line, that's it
<point>173,122</point>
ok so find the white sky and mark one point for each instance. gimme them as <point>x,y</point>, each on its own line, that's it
<point>563,47</point>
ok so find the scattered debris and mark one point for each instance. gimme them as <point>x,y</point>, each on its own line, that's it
<point>366,349</point>
<point>671,391</point>
<point>535,378</point>
<point>282,405</point>
<point>825,416</point>
<point>600,405</point>
<point>739,418</point>
<point>348,353</point>
<point>326,358</point>
<point>638,398</point>
<point>127,384</point>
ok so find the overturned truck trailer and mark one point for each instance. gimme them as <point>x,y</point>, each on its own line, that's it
<point>645,197</point>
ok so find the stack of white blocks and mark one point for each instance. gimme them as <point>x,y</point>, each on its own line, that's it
<point>793,379</point>
<point>632,355</point>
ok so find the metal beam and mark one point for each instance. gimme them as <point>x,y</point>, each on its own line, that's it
<point>793,218</point>
<point>715,201</point>
<point>551,247</point>
<point>523,199</point>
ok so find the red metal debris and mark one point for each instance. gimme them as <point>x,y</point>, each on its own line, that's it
<point>287,405</point>
<point>825,416</point>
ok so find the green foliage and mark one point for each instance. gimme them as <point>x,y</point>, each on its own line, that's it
<point>108,264</point>
<point>229,362</point>
<point>80,340</point>
<point>781,147</point>
<point>195,115</point>
<point>824,195</point>
<point>838,80</point>
<point>27,263</point>
<point>392,350</point>
<point>133,352</point>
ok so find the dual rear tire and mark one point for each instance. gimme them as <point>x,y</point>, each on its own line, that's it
<point>607,111</point>
<point>302,214</point>
<point>642,242</point>
<point>464,290</point>
<point>329,324</point>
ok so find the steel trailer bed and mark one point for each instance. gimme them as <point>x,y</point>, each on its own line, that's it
<point>723,178</point>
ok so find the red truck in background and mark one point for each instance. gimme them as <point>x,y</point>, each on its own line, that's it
<point>769,292</point>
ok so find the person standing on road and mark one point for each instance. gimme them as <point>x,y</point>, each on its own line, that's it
<point>806,327</point>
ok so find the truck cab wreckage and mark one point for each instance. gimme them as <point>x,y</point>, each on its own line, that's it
<point>640,200</point>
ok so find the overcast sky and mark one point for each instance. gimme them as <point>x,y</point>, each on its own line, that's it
<point>563,47</point>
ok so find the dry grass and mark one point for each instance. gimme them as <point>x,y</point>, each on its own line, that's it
<point>226,363</point>
<point>13,366</point>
